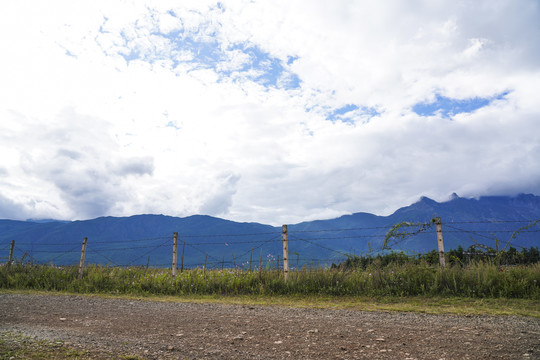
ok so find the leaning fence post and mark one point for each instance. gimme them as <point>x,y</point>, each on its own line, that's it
<point>11,253</point>
<point>285,253</point>
<point>440,242</point>
<point>175,254</point>
<point>83,254</point>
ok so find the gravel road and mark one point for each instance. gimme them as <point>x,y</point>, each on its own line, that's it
<point>165,330</point>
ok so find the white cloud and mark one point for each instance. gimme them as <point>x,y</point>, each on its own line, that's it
<point>122,108</point>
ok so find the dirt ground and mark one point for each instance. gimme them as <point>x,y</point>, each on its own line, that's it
<point>161,330</point>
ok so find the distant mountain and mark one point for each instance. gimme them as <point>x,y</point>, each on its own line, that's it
<point>46,220</point>
<point>147,239</point>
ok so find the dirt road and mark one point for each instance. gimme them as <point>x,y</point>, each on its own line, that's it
<point>159,330</point>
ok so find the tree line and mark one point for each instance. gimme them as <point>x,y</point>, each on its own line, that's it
<point>455,257</point>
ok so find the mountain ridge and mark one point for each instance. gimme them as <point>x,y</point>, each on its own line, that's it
<point>147,237</point>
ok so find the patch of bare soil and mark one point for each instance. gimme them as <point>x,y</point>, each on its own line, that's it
<point>159,330</point>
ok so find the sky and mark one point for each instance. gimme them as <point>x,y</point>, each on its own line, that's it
<point>264,111</point>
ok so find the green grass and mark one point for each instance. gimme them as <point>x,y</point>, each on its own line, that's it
<point>418,304</point>
<point>480,280</point>
<point>392,287</point>
<point>16,346</point>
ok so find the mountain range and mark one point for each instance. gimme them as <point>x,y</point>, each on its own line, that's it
<point>492,221</point>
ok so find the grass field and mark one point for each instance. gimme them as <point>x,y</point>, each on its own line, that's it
<point>15,346</point>
<point>480,283</point>
<point>478,289</point>
<point>479,280</point>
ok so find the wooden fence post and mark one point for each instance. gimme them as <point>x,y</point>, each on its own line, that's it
<point>175,254</point>
<point>440,242</point>
<point>285,252</point>
<point>83,255</point>
<point>11,253</point>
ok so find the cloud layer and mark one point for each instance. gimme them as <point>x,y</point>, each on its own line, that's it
<point>273,112</point>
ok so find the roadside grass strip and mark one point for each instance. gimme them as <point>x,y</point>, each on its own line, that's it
<point>16,346</point>
<point>479,280</point>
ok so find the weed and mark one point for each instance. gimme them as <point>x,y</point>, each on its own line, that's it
<point>478,280</point>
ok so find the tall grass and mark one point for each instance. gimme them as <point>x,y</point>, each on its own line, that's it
<point>479,280</point>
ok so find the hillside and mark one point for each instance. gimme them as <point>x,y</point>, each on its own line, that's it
<point>147,239</point>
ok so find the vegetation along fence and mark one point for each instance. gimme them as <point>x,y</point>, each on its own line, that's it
<point>496,258</point>
<point>289,248</point>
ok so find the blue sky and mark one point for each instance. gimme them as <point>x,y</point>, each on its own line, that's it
<point>275,112</point>
<point>448,107</point>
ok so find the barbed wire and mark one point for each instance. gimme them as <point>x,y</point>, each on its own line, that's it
<point>98,242</point>
<point>348,237</point>
<point>150,251</point>
<point>25,253</point>
<point>488,222</point>
<point>129,248</point>
<point>72,250</point>
<point>202,252</point>
<point>105,250</point>
<point>469,231</point>
<point>262,243</point>
<point>226,235</point>
<point>150,266</point>
<point>342,229</point>
<point>260,246</point>
<point>321,246</point>
<point>54,252</point>
<point>102,255</point>
<point>233,242</point>
<point>322,260</point>
<point>133,240</point>
<point>489,231</point>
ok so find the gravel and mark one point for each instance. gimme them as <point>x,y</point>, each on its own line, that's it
<point>169,330</point>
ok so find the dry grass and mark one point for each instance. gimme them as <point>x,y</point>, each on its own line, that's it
<point>429,305</point>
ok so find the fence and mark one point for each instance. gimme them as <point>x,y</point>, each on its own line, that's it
<point>289,247</point>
